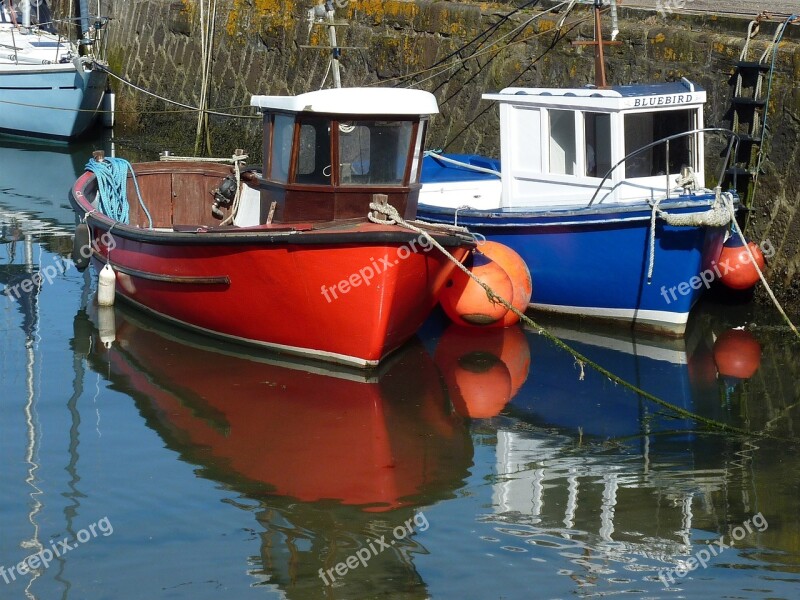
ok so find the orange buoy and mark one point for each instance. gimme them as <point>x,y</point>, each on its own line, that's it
<point>737,354</point>
<point>466,302</point>
<point>738,271</point>
<point>483,370</point>
<point>519,274</point>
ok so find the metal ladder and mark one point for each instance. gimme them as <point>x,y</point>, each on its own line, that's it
<point>749,111</point>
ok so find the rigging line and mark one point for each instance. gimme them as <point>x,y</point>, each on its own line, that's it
<point>488,31</point>
<point>481,52</point>
<point>556,38</point>
<point>513,34</point>
<point>394,218</point>
<point>175,102</point>
<point>127,112</point>
<point>477,53</point>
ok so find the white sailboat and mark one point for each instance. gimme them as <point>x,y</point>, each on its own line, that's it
<point>49,86</point>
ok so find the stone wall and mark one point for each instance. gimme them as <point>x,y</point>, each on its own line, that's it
<point>458,50</point>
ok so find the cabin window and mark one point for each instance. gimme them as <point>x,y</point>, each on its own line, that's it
<point>281,149</point>
<point>373,152</point>
<point>314,153</point>
<point>644,128</point>
<point>597,131</point>
<point>562,142</point>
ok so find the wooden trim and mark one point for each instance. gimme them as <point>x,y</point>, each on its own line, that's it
<point>424,124</point>
<point>266,147</point>
<point>327,189</point>
<point>334,154</point>
<point>295,153</point>
<point>412,144</point>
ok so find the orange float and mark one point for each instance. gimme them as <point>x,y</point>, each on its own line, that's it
<point>521,282</point>
<point>737,354</point>
<point>466,302</point>
<point>484,369</point>
<point>738,271</point>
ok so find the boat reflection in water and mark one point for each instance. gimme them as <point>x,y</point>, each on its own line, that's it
<point>624,489</point>
<point>560,476</point>
<point>321,449</point>
<point>35,177</point>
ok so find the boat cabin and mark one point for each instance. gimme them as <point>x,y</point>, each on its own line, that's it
<point>326,153</point>
<point>558,144</point>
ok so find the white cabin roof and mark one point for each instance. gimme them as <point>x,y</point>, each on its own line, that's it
<point>680,94</point>
<point>354,101</point>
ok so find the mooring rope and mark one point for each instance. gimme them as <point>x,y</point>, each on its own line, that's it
<point>238,161</point>
<point>719,215</point>
<point>728,198</point>
<point>393,217</point>
<point>112,179</point>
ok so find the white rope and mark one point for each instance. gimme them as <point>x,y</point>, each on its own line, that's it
<point>394,218</point>
<point>728,199</point>
<point>237,162</point>
<point>453,161</point>
<point>234,159</point>
<point>652,251</point>
<point>719,215</point>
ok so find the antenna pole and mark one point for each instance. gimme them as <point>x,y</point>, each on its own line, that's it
<point>599,56</point>
<point>335,50</point>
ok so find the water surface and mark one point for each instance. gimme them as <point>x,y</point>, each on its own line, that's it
<point>493,467</point>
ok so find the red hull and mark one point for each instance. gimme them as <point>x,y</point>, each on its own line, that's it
<point>289,289</point>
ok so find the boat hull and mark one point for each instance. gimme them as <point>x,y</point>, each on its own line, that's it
<point>595,262</point>
<point>284,296</point>
<point>348,291</point>
<point>56,101</point>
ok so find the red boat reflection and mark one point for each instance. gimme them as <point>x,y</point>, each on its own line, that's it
<point>379,441</point>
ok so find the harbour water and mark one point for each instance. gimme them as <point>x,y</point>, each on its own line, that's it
<point>140,461</point>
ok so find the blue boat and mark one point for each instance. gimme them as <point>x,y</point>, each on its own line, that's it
<point>47,87</point>
<point>602,192</point>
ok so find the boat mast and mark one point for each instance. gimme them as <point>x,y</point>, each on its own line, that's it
<point>335,50</point>
<point>26,15</point>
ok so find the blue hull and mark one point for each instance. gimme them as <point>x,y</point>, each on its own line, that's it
<point>58,101</point>
<point>594,261</point>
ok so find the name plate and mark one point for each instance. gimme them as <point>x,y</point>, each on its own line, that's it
<point>672,100</point>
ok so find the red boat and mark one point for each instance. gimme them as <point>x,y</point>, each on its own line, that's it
<point>286,256</point>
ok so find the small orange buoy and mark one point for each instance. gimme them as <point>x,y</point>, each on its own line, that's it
<point>519,274</point>
<point>738,271</point>
<point>483,370</point>
<point>737,354</point>
<point>466,302</point>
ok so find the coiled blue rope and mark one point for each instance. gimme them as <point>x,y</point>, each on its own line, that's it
<point>112,177</point>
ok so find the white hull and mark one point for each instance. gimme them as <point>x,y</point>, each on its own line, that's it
<point>46,88</point>
<point>58,100</point>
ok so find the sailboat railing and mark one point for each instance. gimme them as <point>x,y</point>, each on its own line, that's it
<point>95,36</point>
